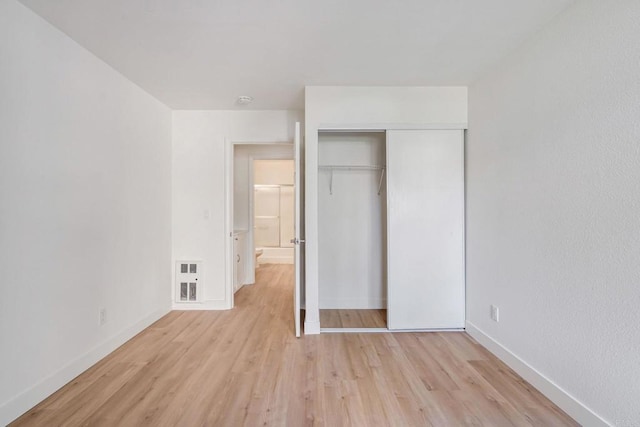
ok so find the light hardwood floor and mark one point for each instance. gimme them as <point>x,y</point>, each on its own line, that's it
<point>245,367</point>
<point>331,318</point>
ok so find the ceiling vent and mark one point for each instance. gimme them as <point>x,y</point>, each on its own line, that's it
<point>244,100</point>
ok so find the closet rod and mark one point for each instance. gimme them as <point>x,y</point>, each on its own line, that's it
<point>331,168</point>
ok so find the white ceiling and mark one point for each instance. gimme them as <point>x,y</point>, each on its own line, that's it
<point>203,54</point>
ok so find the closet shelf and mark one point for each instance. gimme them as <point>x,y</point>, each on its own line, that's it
<point>331,168</point>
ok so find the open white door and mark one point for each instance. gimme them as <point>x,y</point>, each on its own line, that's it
<point>298,240</point>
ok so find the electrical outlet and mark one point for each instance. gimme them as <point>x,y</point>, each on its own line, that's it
<point>103,316</point>
<point>495,313</point>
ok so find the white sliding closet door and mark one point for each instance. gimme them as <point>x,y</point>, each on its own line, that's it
<point>425,191</point>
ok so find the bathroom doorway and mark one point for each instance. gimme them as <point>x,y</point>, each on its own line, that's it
<point>244,226</point>
<point>240,253</point>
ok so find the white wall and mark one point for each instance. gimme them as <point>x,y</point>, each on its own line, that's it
<point>385,107</point>
<point>199,183</point>
<point>351,223</point>
<point>553,202</point>
<point>332,107</point>
<point>85,205</point>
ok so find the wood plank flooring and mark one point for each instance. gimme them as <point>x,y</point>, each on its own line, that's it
<point>332,318</point>
<point>244,367</point>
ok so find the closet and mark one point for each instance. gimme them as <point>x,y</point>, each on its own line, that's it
<point>352,229</point>
<point>391,229</point>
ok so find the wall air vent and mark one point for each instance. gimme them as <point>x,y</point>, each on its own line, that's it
<point>188,281</point>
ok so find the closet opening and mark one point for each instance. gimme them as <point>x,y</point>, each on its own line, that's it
<point>352,231</point>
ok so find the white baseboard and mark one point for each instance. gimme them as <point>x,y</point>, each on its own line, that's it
<point>311,328</point>
<point>218,304</point>
<point>552,391</point>
<point>26,400</point>
<point>353,303</point>
<point>382,330</point>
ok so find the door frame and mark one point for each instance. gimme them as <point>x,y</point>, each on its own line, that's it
<point>230,146</point>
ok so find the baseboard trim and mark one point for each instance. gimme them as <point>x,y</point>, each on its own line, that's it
<point>384,330</point>
<point>555,393</point>
<point>27,399</point>
<point>311,328</point>
<point>217,304</point>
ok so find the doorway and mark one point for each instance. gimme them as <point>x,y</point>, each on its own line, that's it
<point>244,228</point>
<point>247,176</point>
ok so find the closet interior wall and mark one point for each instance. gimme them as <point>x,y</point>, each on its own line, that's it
<point>352,221</point>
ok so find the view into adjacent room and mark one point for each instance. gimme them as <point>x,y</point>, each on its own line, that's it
<point>273,211</point>
<point>263,209</point>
